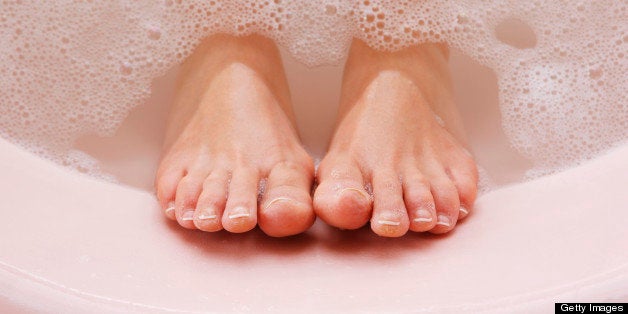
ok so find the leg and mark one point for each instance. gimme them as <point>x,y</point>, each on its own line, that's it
<point>232,125</point>
<point>398,132</point>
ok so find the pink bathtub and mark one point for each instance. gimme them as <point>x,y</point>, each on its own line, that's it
<point>73,244</point>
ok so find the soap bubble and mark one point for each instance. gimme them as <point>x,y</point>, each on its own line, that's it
<point>96,60</point>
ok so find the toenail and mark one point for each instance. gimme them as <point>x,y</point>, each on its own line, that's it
<point>170,207</point>
<point>239,212</point>
<point>443,221</point>
<point>388,222</point>
<point>188,215</point>
<point>464,210</point>
<point>278,199</point>
<point>361,192</point>
<point>423,215</point>
<point>207,214</point>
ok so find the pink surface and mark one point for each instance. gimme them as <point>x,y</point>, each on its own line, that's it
<point>73,243</point>
<point>70,243</point>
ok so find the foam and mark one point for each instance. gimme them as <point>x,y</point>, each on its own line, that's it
<point>70,68</point>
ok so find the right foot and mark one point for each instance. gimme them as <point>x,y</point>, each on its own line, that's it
<point>230,127</point>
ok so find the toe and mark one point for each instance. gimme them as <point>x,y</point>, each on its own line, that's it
<point>286,208</point>
<point>390,217</point>
<point>465,178</point>
<point>187,194</point>
<point>166,183</point>
<point>446,202</point>
<point>419,202</point>
<point>340,199</point>
<point>241,208</point>
<point>211,202</point>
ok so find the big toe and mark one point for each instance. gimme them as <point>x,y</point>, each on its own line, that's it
<point>341,199</point>
<point>286,208</point>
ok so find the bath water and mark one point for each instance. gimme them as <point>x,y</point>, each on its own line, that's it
<point>68,69</point>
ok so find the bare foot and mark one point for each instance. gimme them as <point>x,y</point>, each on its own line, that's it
<point>230,127</point>
<point>398,133</point>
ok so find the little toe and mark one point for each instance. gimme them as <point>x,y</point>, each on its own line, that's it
<point>390,217</point>
<point>166,183</point>
<point>465,178</point>
<point>340,199</point>
<point>286,208</point>
<point>419,202</point>
<point>447,204</point>
<point>241,209</point>
<point>211,202</point>
<point>188,191</point>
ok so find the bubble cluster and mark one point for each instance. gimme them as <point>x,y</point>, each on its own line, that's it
<point>72,68</point>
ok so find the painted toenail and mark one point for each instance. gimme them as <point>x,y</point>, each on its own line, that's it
<point>361,192</point>
<point>279,199</point>
<point>239,212</point>
<point>464,210</point>
<point>188,215</point>
<point>388,222</point>
<point>423,215</point>
<point>443,221</point>
<point>170,207</point>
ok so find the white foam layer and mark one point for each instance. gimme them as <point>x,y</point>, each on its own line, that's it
<point>73,68</point>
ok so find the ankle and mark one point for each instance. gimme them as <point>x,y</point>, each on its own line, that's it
<point>217,52</point>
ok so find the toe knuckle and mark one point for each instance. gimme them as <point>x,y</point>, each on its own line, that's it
<point>443,187</point>
<point>416,180</point>
<point>387,184</point>
<point>214,183</point>
<point>165,195</point>
<point>305,160</point>
<point>471,169</point>
<point>445,194</point>
<point>165,188</point>
<point>188,188</point>
<point>214,201</point>
<point>297,165</point>
<point>418,197</point>
<point>467,190</point>
<point>184,184</point>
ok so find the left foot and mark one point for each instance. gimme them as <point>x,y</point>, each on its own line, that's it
<point>399,132</point>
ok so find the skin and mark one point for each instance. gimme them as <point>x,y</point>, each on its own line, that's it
<point>232,125</point>
<point>388,137</point>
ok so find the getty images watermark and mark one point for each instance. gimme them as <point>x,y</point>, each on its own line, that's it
<point>590,308</point>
